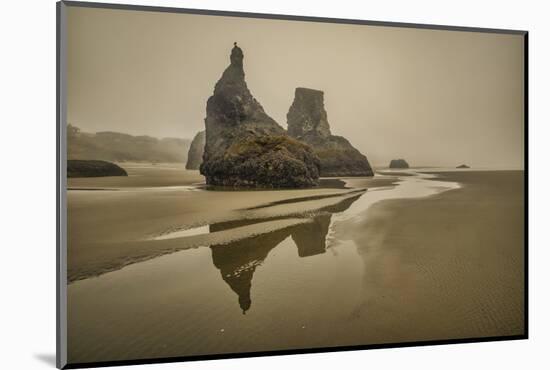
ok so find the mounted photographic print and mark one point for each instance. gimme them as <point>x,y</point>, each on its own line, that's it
<point>235,184</point>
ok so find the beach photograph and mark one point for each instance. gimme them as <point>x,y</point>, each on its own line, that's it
<point>238,185</point>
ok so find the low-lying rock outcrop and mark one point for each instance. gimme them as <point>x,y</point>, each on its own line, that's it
<point>307,121</point>
<point>91,168</point>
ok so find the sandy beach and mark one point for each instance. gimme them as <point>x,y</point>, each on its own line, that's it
<point>176,269</point>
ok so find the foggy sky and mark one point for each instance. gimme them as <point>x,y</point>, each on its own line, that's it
<point>433,97</point>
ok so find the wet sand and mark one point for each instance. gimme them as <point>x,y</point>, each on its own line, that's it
<point>454,261</point>
<point>293,269</point>
<point>140,175</point>
<point>111,227</point>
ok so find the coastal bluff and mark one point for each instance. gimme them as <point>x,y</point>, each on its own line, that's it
<point>307,121</point>
<point>244,147</point>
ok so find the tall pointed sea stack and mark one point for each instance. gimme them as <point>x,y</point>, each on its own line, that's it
<point>246,147</point>
<point>307,121</point>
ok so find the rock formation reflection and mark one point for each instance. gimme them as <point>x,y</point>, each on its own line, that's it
<point>237,261</point>
<point>310,237</point>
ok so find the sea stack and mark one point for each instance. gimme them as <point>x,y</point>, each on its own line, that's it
<point>246,147</point>
<point>399,163</point>
<point>307,121</point>
<point>196,150</point>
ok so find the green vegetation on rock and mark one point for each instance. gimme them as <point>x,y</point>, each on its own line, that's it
<point>265,161</point>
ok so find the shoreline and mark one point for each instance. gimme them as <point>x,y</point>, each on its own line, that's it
<point>110,229</point>
<point>106,254</point>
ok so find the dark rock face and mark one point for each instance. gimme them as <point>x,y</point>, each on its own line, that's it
<point>196,150</point>
<point>399,163</point>
<point>463,166</point>
<point>307,114</point>
<point>307,122</point>
<point>90,168</point>
<point>246,147</point>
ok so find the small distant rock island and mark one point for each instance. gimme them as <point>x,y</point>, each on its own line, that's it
<point>399,163</point>
<point>463,166</point>
<point>246,147</point>
<point>196,151</point>
<point>307,121</point>
<point>92,168</point>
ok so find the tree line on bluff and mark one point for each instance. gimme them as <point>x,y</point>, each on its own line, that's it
<point>119,147</point>
<point>92,154</point>
<point>243,146</point>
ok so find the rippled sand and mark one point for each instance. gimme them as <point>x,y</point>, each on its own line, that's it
<point>269,270</point>
<point>446,266</point>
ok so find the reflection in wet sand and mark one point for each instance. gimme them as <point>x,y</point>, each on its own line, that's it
<point>310,238</point>
<point>238,260</point>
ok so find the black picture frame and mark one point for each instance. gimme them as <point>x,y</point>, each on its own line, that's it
<point>61,253</point>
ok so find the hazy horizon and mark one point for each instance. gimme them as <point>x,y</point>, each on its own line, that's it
<point>439,98</point>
